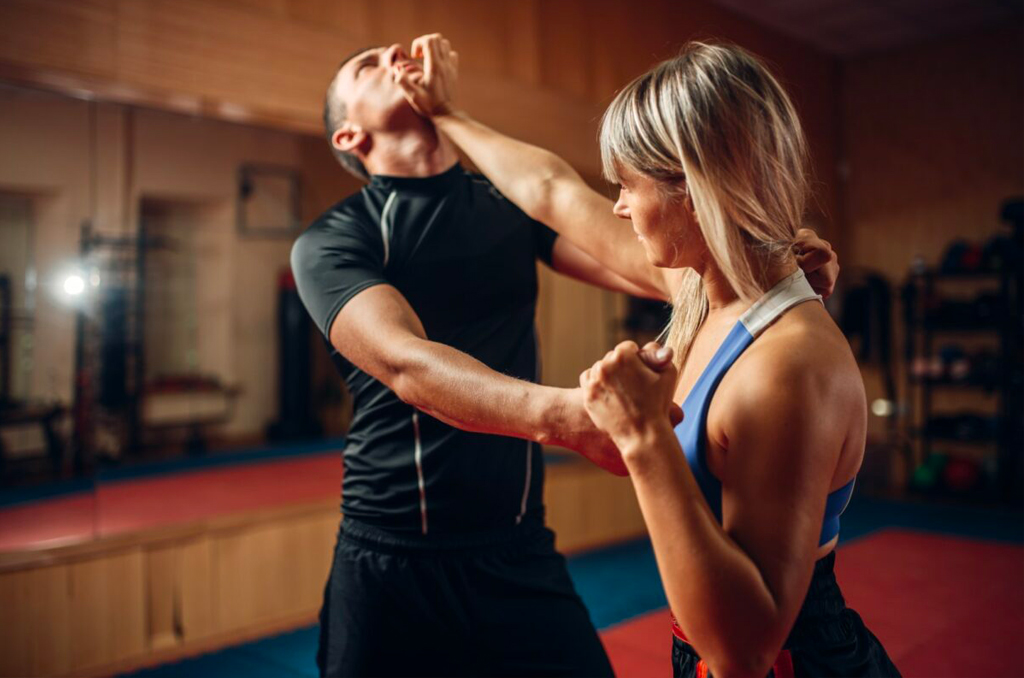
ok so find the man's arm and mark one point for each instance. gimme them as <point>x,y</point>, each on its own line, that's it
<point>380,333</point>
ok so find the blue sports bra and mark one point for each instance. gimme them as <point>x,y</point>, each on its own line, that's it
<point>691,433</point>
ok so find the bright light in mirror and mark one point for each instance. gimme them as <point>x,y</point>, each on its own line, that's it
<point>74,285</point>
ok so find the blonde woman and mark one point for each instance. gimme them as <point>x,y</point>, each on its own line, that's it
<point>743,498</point>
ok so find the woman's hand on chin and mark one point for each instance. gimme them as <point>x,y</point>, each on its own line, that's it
<point>431,91</point>
<point>628,395</point>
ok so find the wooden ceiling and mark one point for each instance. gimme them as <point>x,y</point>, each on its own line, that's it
<point>856,28</point>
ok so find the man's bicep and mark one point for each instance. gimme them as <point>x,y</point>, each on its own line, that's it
<point>375,331</point>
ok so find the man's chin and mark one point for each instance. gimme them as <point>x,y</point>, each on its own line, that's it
<point>401,113</point>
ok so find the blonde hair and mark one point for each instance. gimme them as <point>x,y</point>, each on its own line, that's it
<point>714,120</point>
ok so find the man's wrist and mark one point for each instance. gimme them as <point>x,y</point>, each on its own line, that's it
<point>554,412</point>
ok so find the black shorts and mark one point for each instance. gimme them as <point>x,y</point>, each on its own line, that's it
<point>496,606</point>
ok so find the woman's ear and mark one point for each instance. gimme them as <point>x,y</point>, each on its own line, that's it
<point>688,201</point>
<point>348,137</point>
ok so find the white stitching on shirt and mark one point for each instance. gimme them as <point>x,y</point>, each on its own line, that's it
<point>385,227</point>
<point>418,455</point>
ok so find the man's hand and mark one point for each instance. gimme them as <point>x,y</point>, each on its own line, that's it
<point>819,263</point>
<point>431,92</point>
<point>577,431</point>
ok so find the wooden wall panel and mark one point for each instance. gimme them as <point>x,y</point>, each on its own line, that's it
<point>565,47</point>
<point>67,35</point>
<point>107,604</point>
<point>477,30</point>
<point>588,507</point>
<point>523,41</point>
<point>576,323</point>
<point>252,587</point>
<point>928,161</point>
<point>195,601</point>
<point>232,56</point>
<point>395,21</point>
<point>351,17</point>
<point>36,638</point>
<point>161,593</point>
<point>179,593</point>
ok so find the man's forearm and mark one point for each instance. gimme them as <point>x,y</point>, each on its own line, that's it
<point>463,392</point>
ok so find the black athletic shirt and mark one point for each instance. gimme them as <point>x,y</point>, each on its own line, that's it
<point>465,259</point>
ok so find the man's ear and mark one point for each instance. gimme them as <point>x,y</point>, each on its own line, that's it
<point>348,137</point>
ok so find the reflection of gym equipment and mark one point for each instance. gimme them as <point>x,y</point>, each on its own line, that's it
<point>296,414</point>
<point>177,400</point>
<point>187,403</point>
<point>41,415</point>
<point>5,340</point>
<point>108,348</point>
<point>118,410</point>
<point>16,414</point>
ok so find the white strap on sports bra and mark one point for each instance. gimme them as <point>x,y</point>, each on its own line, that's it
<point>788,292</point>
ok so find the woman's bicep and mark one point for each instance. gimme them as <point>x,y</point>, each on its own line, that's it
<point>780,458</point>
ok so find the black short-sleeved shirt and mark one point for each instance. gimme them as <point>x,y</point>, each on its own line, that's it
<point>465,259</point>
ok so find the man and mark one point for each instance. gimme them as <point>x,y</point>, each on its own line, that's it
<point>425,285</point>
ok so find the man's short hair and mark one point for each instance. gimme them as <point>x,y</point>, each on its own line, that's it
<point>334,117</point>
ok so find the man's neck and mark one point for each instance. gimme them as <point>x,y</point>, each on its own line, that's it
<point>418,151</point>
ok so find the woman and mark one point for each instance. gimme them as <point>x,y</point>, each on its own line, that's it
<point>711,159</point>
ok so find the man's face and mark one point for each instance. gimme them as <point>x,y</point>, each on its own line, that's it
<point>366,85</point>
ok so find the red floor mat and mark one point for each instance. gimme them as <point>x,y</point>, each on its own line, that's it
<point>171,499</point>
<point>942,606</point>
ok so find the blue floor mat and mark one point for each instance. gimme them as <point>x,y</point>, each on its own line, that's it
<point>295,650</point>
<point>616,584</point>
<point>234,662</point>
<point>865,515</point>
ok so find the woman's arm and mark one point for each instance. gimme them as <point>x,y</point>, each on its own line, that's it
<point>548,189</point>
<point>573,262</point>
<point>539,182</point>
<point>735,588</point>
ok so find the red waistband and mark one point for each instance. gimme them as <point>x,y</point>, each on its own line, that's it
<point>678,632</point>
<point>782,668</point>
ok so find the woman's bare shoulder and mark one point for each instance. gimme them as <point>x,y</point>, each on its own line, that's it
<point>804,352</point>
